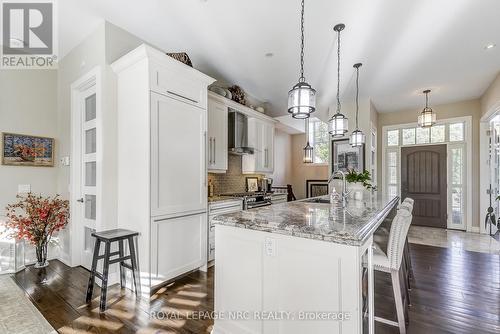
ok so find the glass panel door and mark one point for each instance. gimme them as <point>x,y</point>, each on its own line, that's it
<point>89,166</point>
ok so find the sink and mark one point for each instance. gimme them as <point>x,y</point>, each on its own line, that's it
<point>318,200</point>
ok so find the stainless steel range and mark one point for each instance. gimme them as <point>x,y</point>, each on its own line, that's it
<point>252,200</point>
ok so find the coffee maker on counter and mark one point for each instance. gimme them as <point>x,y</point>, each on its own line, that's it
<point>266,184</point>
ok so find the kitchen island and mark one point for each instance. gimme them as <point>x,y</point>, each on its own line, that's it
<point>297,267</point>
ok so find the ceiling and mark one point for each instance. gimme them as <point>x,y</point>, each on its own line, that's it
<point>405,46</point>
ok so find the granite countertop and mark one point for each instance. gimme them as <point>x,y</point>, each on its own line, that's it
<point>319,221</point>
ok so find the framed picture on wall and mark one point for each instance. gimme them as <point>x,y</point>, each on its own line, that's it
<point>345,157</point>
<point>25,150</point>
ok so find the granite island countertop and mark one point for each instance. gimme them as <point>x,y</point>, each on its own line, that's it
<point>319,221</point>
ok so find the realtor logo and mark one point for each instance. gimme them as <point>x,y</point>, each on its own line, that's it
<point>28,35</point>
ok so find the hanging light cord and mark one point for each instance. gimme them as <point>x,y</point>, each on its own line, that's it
<point>357,96</point>
<point>302,79</point>
<point>426,100</point>
<point>338,73</point>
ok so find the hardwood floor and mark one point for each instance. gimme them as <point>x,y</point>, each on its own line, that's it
<point>454,291</point>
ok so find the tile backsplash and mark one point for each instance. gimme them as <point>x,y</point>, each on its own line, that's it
<point>233,181</point>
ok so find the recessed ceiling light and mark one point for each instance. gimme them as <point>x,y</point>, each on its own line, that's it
<point>490,46</point>
<point>269,54</point>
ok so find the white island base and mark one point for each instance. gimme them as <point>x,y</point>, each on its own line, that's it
<point>270,283</point>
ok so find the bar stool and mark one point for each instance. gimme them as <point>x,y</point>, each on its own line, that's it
<point>381,237</point>
<point>108,237</point>
<point>392,263</point>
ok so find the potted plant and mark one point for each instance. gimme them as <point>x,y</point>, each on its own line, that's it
<point>35,219</point>
<point>358,182</point>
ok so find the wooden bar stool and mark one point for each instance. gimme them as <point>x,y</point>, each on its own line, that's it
<point>108,237</point>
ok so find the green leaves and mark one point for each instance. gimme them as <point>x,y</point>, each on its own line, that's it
<point>352,176</point>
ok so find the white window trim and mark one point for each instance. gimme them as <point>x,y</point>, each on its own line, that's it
<point>468,149</point>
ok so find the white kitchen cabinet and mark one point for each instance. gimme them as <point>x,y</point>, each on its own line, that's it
<point>178,245</point>
<point>268,147</point>
<point>217,136</point>
<point>261,138</point>
<point>162,162</point>
<point>178,169</point>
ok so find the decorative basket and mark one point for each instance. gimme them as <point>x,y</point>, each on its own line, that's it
<point>238,94</point>
<point>183,57</point>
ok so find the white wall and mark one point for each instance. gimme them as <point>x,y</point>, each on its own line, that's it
<point>28,105</point>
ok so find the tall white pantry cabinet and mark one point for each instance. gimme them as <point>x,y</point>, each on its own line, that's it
<point>162,162</point>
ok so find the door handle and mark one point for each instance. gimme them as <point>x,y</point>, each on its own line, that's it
<point>81,200</point>
<point>210,150</point>
<point>205,176</point>
<point>215,151</point>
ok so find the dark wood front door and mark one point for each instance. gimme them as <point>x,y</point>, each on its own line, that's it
<point>423,178</point>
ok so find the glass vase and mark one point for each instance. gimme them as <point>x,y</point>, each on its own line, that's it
<point>41,256</point>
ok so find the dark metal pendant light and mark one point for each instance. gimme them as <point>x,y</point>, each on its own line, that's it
<point>357,136</point>
<point>308,149</point>
<point>302,97</point>
<point>427,117</point>
<point>338,123</point>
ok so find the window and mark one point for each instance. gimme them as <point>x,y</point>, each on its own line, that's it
<point>457,131</point>
<point>392,172</point>
<point>423,135</point>
<point>456,169</point>
<point>438,133</point>
<point>409,136</point>
<point>393,138</point>
<point>319,138</point>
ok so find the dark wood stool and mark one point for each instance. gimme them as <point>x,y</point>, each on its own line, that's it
<point>108,237</point>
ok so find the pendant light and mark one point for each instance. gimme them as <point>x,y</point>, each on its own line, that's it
<point>302,97</point>
<point>338,123</point>
<point>357,136</point>
<point>308,149</point>
<point>427,116</point>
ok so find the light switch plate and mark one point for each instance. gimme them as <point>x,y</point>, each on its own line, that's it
<point>23,188</point>
<point>65,161</point>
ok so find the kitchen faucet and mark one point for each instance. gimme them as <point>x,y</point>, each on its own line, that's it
<point>344,186</point>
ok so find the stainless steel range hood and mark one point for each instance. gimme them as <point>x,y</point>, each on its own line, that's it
<point>238,133</point>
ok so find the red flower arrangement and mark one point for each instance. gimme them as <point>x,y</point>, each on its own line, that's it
<point>35,218</point>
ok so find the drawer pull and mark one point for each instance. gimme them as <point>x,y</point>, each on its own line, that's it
<point>178,95</point>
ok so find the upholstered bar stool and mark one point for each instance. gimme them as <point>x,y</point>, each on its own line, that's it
<point>381,237</point>
<point>109,237</point>
<point>391,262</point>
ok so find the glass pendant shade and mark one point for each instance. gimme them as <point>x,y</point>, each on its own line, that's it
<point>357,138</point>
<point>338,125</point>
<point>301,100</point>
<point>308,153</point>
<point>427,118</point>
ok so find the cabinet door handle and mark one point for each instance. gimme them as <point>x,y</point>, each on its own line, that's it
<point>181,96</point>
<point>205,160</point>
<point>215,151</point>
<point>210,150</point>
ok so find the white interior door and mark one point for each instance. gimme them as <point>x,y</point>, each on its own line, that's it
<point>85,169</point>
